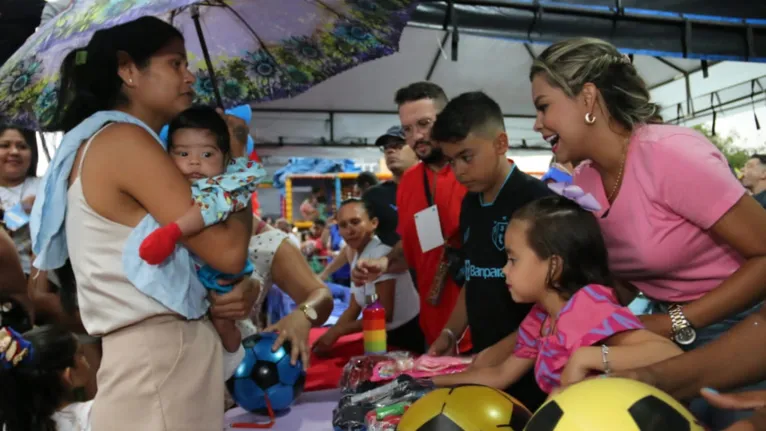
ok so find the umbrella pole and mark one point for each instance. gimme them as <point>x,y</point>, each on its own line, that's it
<point>206,54</point>
<point>45,147</point>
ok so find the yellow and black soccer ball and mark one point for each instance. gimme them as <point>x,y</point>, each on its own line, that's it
<point>465,408</point>
<point>613,404</point>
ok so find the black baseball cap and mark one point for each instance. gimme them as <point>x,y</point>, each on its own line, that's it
<point>393,132</point>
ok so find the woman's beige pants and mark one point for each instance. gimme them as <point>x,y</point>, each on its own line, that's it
<point>161,374</point>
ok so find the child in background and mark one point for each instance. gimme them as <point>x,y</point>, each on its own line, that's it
<point>314,206</point>
<point>558,261</point>
<point>198,142</point>
<point>42,376</point>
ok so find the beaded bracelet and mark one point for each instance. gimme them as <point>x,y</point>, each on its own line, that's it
<point>605,358</point>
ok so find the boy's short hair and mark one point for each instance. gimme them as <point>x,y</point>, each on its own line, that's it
<point>472,112</point>
<point>205,118</point>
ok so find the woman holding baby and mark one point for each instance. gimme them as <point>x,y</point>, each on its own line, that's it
<point>159,371</point>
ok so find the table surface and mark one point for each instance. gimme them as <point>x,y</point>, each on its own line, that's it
<point>311,412</point>
<point>324,371</point>
<point>313,409</point>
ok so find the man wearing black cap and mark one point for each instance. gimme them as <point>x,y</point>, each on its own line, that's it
<point>382,197</point>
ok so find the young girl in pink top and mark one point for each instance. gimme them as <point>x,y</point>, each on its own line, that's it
<point>678,225</point>
<point>557,260</point>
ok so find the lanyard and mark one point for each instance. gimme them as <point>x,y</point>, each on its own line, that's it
<point>427,186</point>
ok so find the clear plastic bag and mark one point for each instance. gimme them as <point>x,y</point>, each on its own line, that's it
<point>359,370</point>
<point>353,409</point>
<point>421,368</point>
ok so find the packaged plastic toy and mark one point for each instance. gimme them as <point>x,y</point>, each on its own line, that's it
<point>385,402</point>
<point>357,373</point>
<point>420,368</point>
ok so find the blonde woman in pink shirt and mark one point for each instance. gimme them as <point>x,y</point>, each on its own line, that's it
<point>678,225</point>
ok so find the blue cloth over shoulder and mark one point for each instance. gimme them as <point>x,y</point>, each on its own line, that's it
<point>173,283</point>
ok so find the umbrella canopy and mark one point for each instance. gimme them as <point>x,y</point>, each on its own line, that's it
<point>259,50</point>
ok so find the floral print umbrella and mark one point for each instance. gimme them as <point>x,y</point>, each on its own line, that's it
<point>260,50</point>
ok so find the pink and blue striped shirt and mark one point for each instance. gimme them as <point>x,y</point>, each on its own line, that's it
<point>591,315</point>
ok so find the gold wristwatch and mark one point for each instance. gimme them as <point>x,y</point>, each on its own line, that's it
<point>310,312</point>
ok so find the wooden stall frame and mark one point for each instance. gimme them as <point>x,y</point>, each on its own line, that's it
<point>337,179</point>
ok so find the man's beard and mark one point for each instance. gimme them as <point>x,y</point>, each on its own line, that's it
<point>435,156</point>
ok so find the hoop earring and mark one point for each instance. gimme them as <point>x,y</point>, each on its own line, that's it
<point>590,118</point>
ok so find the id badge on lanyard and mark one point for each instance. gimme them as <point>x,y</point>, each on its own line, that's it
<point>429,229</point>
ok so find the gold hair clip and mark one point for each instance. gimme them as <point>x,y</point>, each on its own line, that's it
<point>81,57</point>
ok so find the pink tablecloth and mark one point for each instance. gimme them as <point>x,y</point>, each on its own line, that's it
<point>311,412</point>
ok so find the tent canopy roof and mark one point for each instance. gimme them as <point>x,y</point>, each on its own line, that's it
<point>699,7</point>
<point>498,67</point>
<point>712,30</point>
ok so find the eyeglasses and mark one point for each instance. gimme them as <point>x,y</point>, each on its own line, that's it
<point>421,125</point>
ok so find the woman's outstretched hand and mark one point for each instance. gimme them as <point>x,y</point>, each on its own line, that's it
<point>294,327</point>
<point>237,304</point>
<point>368,270</point>
<point>747,400</point>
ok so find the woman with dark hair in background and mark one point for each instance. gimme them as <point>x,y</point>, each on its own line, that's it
<point>18,183</point>
<point>18,187</point>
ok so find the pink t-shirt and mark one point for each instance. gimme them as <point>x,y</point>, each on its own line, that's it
<point>676,185</point>
<point>591,315</point>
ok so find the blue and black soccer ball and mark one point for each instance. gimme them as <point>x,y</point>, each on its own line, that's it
<point>265,373</point>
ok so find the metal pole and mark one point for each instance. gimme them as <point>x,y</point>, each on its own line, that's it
<point>44,144</point>
<point>206,54</point>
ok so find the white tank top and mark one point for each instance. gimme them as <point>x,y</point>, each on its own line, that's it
<point>107,300</point>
